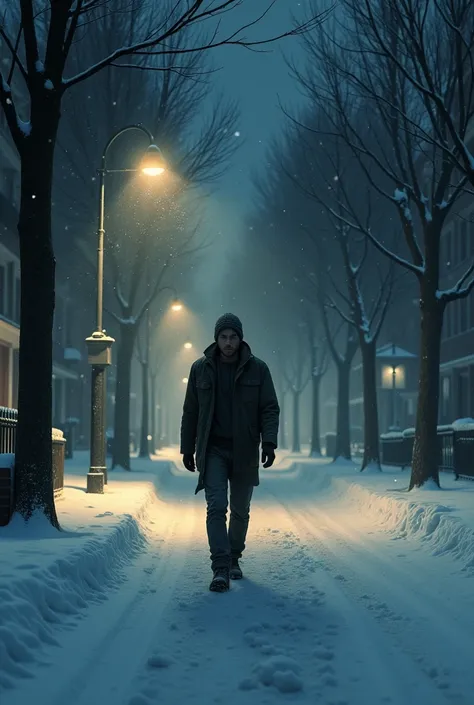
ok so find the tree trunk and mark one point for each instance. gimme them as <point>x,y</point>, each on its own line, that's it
<point>153,441</point>
<point>282,427</point>
<point>33,481</point>
<point>425,448</point>
<point>371,419</point>
<point>144,432</point>
<point>296,448</point>
<point>159,427</point>
<point>343,431</point>
<point>121,444</point>
<point>315,425</point>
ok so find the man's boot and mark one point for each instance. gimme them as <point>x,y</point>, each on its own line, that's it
<point>220,580</point>
<point>235,570</point>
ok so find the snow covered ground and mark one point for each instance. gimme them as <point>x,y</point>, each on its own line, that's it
<point>356,593</point>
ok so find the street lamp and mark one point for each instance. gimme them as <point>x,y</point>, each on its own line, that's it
<point>176,305</point>
<point>188,346</point>
<point>185,380</point>
<point>99,344</point>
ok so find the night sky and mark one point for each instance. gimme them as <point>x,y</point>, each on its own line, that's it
<point>257,81</point>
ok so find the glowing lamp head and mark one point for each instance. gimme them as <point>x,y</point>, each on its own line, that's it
<point>185,380</point>
<point>153,163</point>
<point>188,346</point>
<point>176,305</point>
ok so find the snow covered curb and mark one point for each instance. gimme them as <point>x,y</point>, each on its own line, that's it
<point>49,578</point>
<point>447,529</point>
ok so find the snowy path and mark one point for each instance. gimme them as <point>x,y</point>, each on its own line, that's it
<point>331,612</point>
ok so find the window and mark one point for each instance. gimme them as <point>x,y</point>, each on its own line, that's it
<point>446,394</point>
<point>447,248</point>
<point>455,317</point>
<point>455,253</point>
<point>17,300</point>
<point>393,374</point>
<point>2,291</point>
<point>463,240</point>
<point>447,322</point>
<point>463,315</point>
<point>10,290</point>
<point>471,310</point>
<point>446,388</point>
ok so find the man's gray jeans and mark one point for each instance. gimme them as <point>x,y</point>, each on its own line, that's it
<point>225,544</point>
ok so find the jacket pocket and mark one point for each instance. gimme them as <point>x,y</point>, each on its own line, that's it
<point>249,390</point>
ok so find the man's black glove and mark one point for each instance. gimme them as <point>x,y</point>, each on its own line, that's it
<point>188,462</point>
<point>268,455</point>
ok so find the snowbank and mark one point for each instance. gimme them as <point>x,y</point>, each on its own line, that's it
<point>48,577</point>
<point>442,520</point>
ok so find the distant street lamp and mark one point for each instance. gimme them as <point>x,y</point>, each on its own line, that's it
<point>188,346</point>
<point>176,305</point>
<point>185,380</point>
<point>99,344</point>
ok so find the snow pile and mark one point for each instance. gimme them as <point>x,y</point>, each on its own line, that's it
<point>441,519</point>
<point>463,425</point>
<point>48,577</point>
<point>419,514</point>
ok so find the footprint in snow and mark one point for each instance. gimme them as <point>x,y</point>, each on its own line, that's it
<point>280,671</point>
<point>159,661</point>
<point>323,654</point>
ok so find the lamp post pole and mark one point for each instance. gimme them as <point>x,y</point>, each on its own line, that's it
<point>99,344</point>
<point>394,395</point>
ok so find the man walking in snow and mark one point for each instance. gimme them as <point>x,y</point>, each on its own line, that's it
<point>229,408</point>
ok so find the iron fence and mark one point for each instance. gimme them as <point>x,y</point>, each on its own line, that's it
<point>8,424</point>
<point>455,449</point>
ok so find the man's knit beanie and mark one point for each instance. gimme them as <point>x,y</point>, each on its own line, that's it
<point>228,320</point>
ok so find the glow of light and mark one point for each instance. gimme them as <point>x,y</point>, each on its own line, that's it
<point>153,163</point>
<point>188,346</point>
<point>153,171</point>
<point>185,380</point>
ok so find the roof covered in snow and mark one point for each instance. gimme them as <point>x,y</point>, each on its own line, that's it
<point>392,350</point>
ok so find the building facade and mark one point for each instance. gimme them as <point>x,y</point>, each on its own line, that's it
<point>457,345</point>
<point>9,270</point>
<point>67,381</point>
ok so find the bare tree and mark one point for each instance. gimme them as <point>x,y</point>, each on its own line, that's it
<point>319,366</point>
<point>284,212</point>
<point>143,355</point>
<point>353,82</point>
<point>297,373</point>
<point>38,39</point>
<point>283,389</point>
<point>437,62</point>
<point>329,175</point>
<point>343,363</point>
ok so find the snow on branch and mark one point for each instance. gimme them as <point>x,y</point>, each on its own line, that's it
<point>18,129</point>
<point>416,269</point>
<point>458,291</point>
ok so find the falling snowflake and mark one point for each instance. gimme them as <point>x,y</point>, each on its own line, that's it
<point>237,134</point>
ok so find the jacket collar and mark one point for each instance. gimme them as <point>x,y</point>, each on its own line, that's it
<point>245,353</point>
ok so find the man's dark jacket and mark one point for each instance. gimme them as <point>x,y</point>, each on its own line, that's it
<point>255,412</point>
